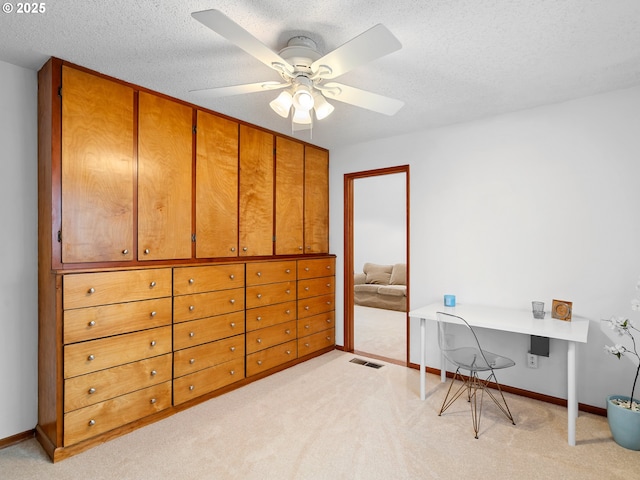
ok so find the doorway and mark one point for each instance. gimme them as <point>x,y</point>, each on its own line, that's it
<point>353,261</point>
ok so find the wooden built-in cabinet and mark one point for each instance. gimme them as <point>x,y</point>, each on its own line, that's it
<point>182,254</point>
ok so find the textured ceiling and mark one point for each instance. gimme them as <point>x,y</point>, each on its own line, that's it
<point>461,59</point>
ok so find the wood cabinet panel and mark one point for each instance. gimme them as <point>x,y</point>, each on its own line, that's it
<point>97,173</point>
<point>317,323</point>
<point>102,288</point>
<point>270,336</point>
<point>319,267</point>
<point>94,355</point>
<point>208,380</point>
<point>271,357</point>
<point>261,295</point>
<point>256,192</point>
<point>165,133</point>
<point>200,305</point>
<point>316,200</point>
<point>316,286</point>
<point>99,418</point>
<point>270,315</point>
<point>260,273</point>
<point>315,342</point>
<point>95,322</point>
<point>192,359</point>
<point>187,280</point>
<point>216,186</point>
<point>204,330</point>
<point>289,185</point>
<point>313,306</point>
<point>96,387</point>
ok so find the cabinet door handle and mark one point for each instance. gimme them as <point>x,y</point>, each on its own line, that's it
<point>244,249</point>
<point>233,249</point>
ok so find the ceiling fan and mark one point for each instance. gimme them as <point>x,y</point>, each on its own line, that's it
<point>307,75</point>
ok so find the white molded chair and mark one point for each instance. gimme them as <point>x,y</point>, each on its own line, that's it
<point>469,356</point>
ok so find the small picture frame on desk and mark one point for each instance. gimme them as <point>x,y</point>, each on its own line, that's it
<point>561,310</point>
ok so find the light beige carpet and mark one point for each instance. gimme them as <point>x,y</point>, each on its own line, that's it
<point>380,332</point>
<point>329,418</point>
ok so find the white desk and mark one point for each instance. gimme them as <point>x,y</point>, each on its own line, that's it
<point>517,321</point>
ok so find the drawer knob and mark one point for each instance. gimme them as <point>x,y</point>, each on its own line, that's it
<point>92,323</point>
<point>233,249</point>
<point>232,372</point>
<point>232,301</point>
<point>288,312</point>
<point>306,344</point>
<point>259,340</point>
<point>233,324</point>
<point>328,267</point>
<point>306,289</point>
<point>259,295</point>
<point>307,326</point>
<point>329,338</point>
<point>91,290</point>
<point>288,270</point>
<point>153,343</point>
<point>191,387</point>
<point>306,269</point>
<point>191,308</point>
<point>288,352</point>
<point>153,400</point>
<point>287,331</point>
<point>258,319</point>
<point>152,284</point>
<point>153,314</point>
<point>244,249</point>
<point>308,247</point>
<point>233,349</point>
<point>259,362</point>
<point>153,373</point>
<point>288,291</point>
<point>328,303</point>
<point>307,307</point>
<point>91,358</point>
<point>92,422</point>
<point>328,320</point>
<point>125,251</point>
<point>191,280</point>
<point>92,391</point>
<point>328,285</point>
<point>232,276</point>
<point>146,251</point>
<point>192,361</point>
<point>192,334</point>
<point>259,274</point>
<point>300,247</point>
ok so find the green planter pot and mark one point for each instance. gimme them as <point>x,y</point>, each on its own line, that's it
<point>623,423</point>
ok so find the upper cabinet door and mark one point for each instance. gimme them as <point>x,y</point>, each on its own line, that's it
<point>216,187</point>
<point>97,172</point>
<point>316,200</point>
<point>165,138</point>
<point>256,192</point>
<point>289,196</point>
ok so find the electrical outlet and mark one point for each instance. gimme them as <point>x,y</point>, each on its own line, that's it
<point>532,360</point>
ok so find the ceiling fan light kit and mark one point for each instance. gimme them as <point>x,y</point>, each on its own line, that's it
<point>304,71</point>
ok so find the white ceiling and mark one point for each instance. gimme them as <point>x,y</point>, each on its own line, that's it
<point>461,59</point>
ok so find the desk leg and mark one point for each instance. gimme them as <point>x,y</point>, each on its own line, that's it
<point>423,354</point>
<point>572,399</point>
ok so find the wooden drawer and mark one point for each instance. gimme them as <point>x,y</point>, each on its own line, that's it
<point>316,286</point>
<point>271,357</point>
<point>96,387</point>
<point>318,267</point>
<point>102,288</point>
<point>200,305</point>
<point>94,355</point>
<point>208,380</point>
<point>315,342</point>
<point>270,336</point>
<point>188,280</point>
<point>308,307</point>
<point>270,315</point>
<point>105,320</point>
<point>270,272</point>
<point>104,416</point>
<point>261,295</point>
<point>205,330</point>
<point>317,323</point>
<point>204,356</point>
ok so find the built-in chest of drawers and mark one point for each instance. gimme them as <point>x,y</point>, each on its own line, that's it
<point>139,342</point>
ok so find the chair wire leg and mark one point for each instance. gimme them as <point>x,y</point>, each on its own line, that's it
<point>450,398</point>
<point>501,405</point>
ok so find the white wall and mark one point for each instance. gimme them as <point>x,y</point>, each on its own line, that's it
<point>533,205</point>
<point>379,220</point>
<point>19,252</point>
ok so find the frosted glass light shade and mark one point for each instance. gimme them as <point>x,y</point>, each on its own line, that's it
<point>322,107</point>
<point>282,104</point>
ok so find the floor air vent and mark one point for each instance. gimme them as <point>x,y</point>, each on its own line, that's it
<point>359,361</point>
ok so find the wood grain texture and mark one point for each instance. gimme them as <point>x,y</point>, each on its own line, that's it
<point>164,178</point>
<point>260,273</point>
<point>187,280</point>
<point>261,317</point>
<point>270,336</point>
<point>316,200</point>
<point>289,185</point>
<point>97,168</point>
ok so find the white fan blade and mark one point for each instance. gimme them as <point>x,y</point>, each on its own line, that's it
<point>376,42</point>
<point>224,26</point>
<point>239,89</point>
<point>361,98</point>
